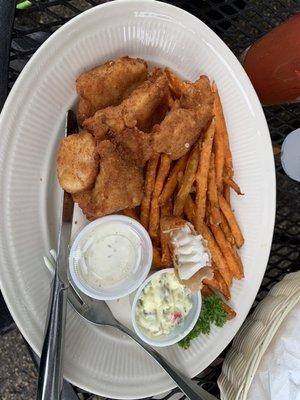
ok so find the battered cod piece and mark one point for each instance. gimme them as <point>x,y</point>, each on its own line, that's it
<point>184,123</point>
<point>77,162</point>
<point>119,184</point>
<point>140,109</point>
<point>108,84</point>
<point>133,144</point>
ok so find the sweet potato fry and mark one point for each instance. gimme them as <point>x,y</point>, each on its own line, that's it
<point>230,217</point>
<point>226,229</point>
<point>130,212</point>
<point>179,178</point>
<point>202,173</point>
<point>228,157</point>
<point>218,284</point>
<point>215,217</point>
<point>224,289</point>
<point>163,170</point>
<point>166,257</point>
<point>207,217</point>
<point>227,251</point>
<point>219,160</point>
<point>167,208</point>
<point>189,209</point>
<point>229,311</point>
<point>212,283</point>
<point>177,86</point>
<point>226,193</point>
<point>215,251</point>
<point>154,221</point>
<point>239,261</point>
<point>171,183</point>
<point>187,181</point>
<point>149,186</point>
<point>222,148</point>
<point>227,235</point>
<point>219,145</point>
<point>231,183</point>
<point>157,259</point>
<point>206,291</point>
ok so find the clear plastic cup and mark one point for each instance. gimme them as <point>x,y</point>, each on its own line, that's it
<point>141,246</point>
<point>181,330</point>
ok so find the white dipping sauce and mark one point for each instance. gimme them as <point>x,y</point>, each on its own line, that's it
<point>108,254</point>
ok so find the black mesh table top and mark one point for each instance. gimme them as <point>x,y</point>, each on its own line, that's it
<point>239,23</point>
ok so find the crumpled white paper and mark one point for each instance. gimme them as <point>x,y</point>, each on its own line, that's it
<point>278,374</point>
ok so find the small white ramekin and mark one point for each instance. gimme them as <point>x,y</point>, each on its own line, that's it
<point>133,281</point>
<point>179,332</point>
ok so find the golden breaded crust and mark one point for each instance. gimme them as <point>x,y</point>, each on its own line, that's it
<point>119,184</point>
<point>133,145</point>
<point>183,125</point>
<point>144,107</point>
<point>108,84</point>
<point>77,162</point>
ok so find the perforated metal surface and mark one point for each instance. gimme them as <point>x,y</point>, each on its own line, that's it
<point>239,23</point>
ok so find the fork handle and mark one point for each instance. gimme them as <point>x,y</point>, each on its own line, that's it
<point>186,385</point>
<point>51,364</point>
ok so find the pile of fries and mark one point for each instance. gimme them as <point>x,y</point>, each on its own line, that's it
<point>197,188</point>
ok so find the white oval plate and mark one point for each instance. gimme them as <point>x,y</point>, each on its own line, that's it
<point>98,359</point>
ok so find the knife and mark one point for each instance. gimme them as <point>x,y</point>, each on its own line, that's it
<point>51,365</point>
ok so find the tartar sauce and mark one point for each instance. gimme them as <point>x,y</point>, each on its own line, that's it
<point>190,250</point>
<point>162,305</point>
<point>108,254</point>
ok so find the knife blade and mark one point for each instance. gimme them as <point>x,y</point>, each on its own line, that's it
<point>51,365</point>
<point>64,237</point>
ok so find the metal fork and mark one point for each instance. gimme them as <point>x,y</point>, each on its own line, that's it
<point>98,312</point>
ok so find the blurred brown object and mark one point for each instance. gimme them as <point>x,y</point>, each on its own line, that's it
<point>273,63</point>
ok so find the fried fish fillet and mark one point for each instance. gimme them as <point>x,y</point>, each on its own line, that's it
<point>141,109</point>
<point>119,184</point>
<point>77,162</point>
<point>108,84</point>
<point>133,145</point>
<point>184,123</point>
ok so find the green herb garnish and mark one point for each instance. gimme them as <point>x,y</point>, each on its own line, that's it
<point>212,312</point>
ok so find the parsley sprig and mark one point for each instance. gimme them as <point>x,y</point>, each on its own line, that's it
<point>212,312</point>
